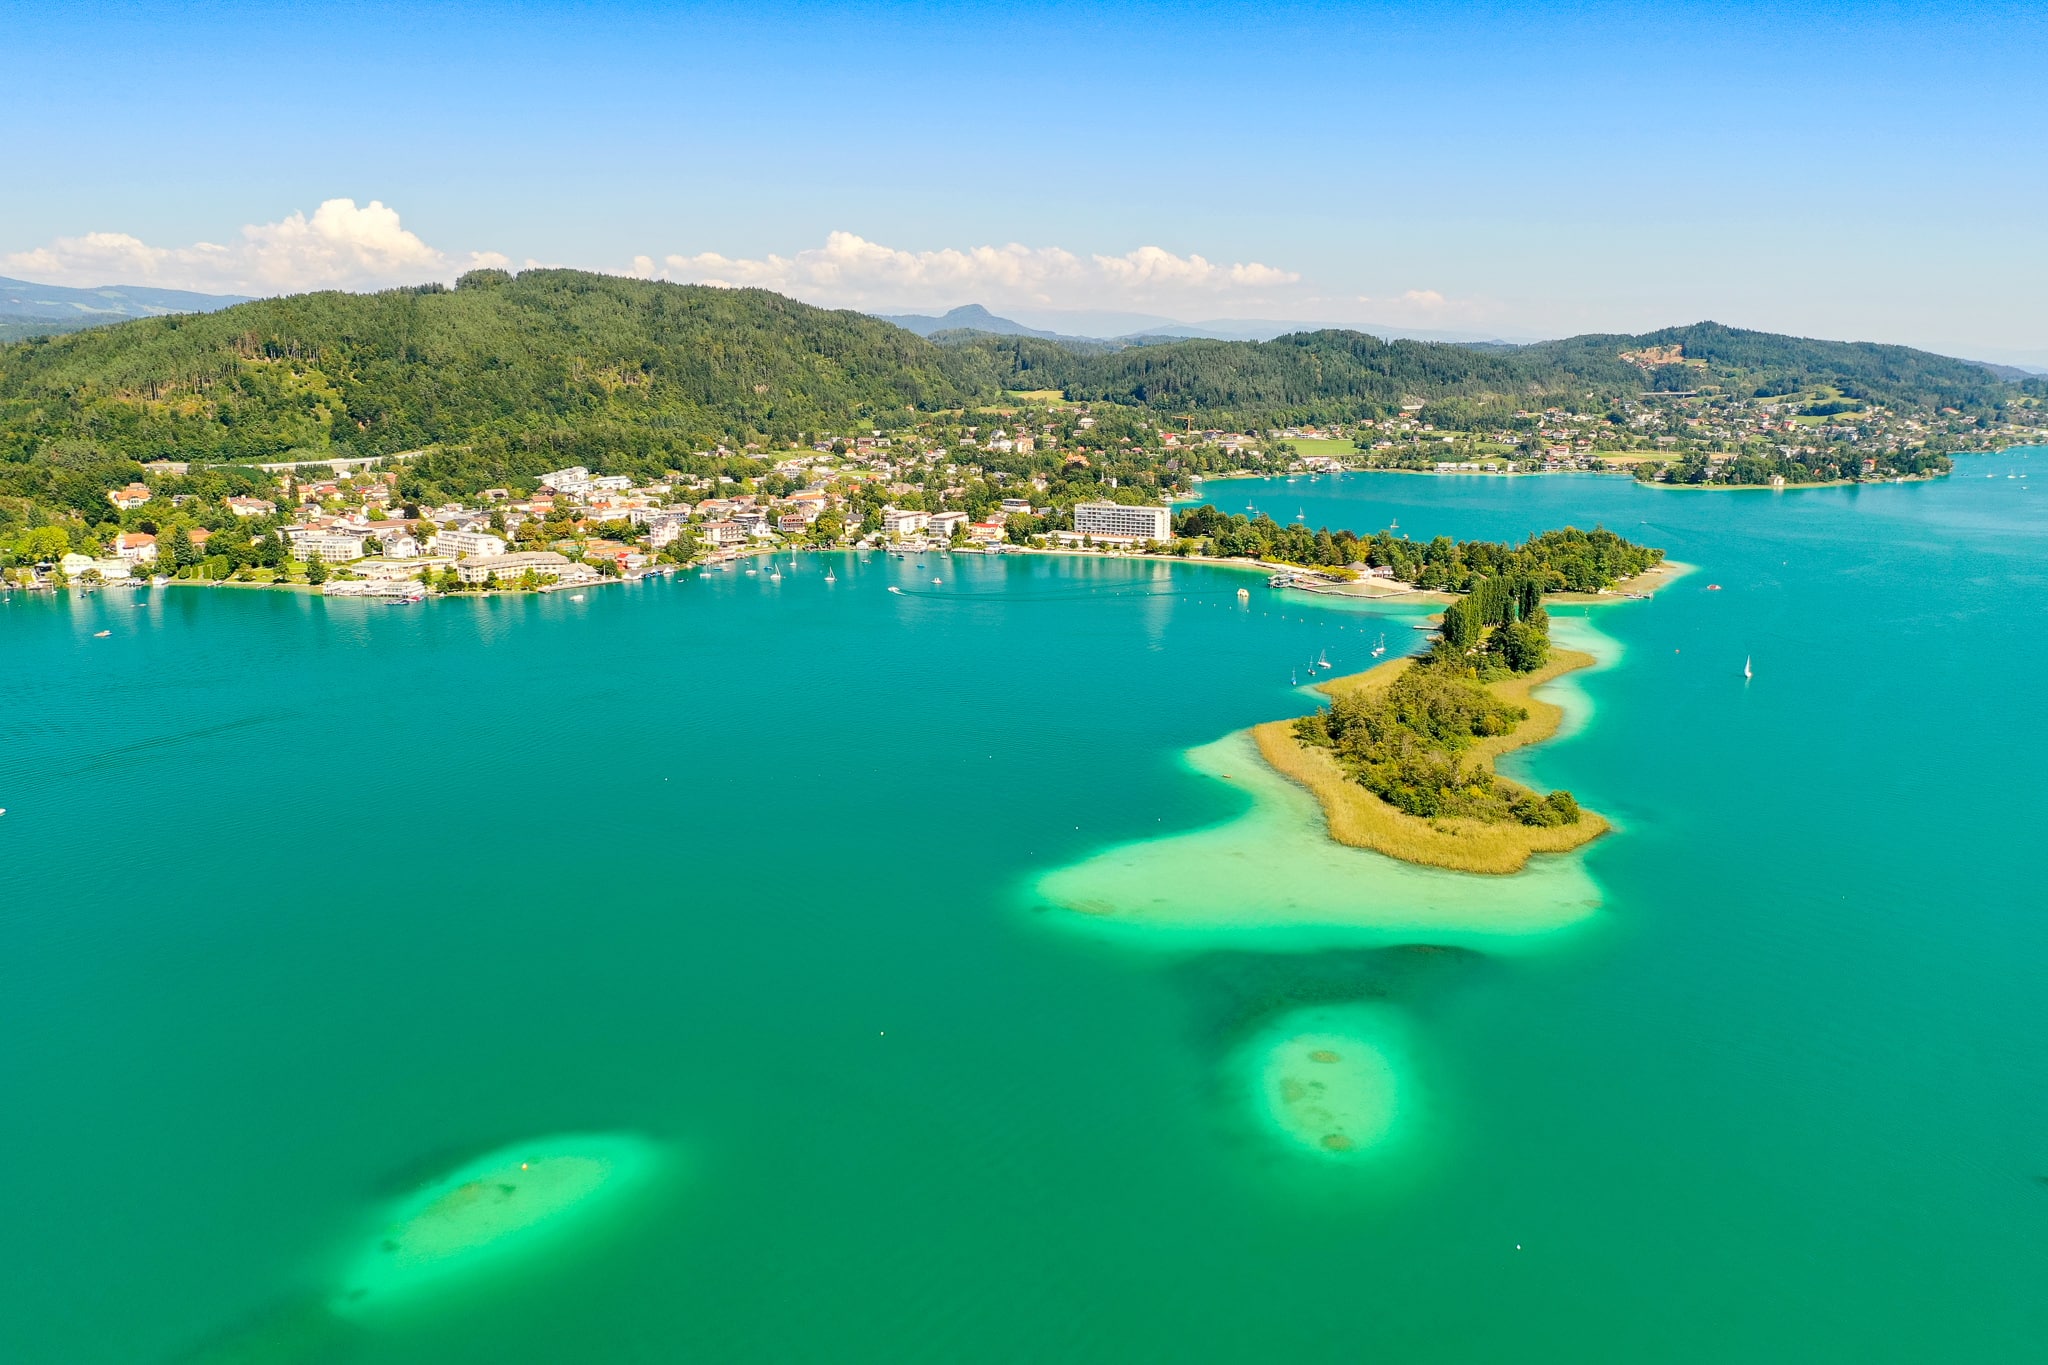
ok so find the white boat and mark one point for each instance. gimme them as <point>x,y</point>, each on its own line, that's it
<point>575,597</point>
<point>1380,648</point>
<point>831,577</point>
<point>1746,671</point>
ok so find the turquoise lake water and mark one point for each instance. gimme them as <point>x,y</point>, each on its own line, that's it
<point>306,904</point>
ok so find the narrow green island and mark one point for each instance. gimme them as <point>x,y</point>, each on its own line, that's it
<point>1403,758</point>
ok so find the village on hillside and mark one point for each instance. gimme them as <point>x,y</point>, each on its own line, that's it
<point>1038,476</point>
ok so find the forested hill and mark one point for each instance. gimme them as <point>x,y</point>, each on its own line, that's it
<point>554,367</point>
<point>1342,375</point>
<point>562,367</point>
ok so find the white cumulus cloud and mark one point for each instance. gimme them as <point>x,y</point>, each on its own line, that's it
<point>851,272</point>
<point>340,246</point>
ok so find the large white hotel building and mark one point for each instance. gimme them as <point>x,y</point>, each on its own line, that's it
<point>1118,522</point>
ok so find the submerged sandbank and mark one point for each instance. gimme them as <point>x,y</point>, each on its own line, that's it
<point>1272,876</point>
<point>491,1213</point>
<point>1324,1080</point>
<point>1275,870</point>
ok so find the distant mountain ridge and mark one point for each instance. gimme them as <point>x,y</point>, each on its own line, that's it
<point>971,317</point>
<point>1113,330</point>
<point>31,309</point>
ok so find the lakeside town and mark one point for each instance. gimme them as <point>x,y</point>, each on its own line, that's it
<point>1040,476</point>
<point>341,526</point>
<point>1686,437</point>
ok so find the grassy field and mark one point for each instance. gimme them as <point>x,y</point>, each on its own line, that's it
<point>1036,395</point>
<point>1334,450</point>
<point>1360,819</point>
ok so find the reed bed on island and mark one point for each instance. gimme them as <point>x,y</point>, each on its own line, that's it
<point>1362,820</point>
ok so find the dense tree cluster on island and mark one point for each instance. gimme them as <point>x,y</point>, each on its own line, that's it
<point>1406,743</point>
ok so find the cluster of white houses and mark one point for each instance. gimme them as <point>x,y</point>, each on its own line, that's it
<point>351,521</point>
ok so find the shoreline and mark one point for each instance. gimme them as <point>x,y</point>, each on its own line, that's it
<point>1355,817</point>
<point>1795,487</point>
<point>1628,458</point>
<point>1641,588</point>
<point>1364,589</point>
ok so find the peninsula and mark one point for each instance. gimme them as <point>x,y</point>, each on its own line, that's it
<point>1403,758</point>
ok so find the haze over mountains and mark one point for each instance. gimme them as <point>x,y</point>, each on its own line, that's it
<point>29,309</point>
<point>1122,329</point>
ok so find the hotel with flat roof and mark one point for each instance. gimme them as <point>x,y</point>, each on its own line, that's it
<point>1115,521</point>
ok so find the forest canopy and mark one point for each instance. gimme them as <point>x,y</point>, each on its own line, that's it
<point>550,368</point>
<point>1337,375</point>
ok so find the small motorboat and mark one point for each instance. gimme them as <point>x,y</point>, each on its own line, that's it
<point>101,634</point>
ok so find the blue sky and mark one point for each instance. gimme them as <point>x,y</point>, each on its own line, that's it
<point>1867,171</point>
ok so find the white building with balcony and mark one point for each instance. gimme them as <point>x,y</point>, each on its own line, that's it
<point>1117,523</point>
<point>464,544</point>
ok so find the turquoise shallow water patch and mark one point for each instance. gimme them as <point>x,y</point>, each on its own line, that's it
<point>505,1207</point>
<point>1325,1082</point>
<point>1274,870</point>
